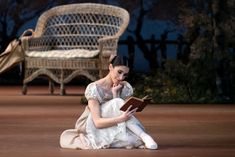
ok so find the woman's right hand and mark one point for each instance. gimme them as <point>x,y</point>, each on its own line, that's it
<point>127,114</point>
<point>116,90</point>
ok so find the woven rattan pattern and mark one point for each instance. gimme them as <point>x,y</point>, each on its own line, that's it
<point>88,26</point>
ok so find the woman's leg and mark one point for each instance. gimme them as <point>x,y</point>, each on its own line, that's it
<point>147,139</point>
<point>114,110</point>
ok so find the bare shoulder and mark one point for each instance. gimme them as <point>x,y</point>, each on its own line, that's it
<point>100,81</point>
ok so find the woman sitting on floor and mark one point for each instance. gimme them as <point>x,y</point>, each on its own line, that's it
<point>103,124</point>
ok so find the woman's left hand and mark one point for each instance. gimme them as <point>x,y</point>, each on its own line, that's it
<point>126,115</point>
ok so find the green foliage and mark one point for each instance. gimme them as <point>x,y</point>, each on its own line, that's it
<point>180,83</point>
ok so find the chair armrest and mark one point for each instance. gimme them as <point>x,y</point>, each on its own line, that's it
<point>27,33</point>
<point>108,45</point>
<point>42,43</point>
<point>24,37</point>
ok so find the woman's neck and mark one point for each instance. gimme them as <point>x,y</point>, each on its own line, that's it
<point>106,82</point>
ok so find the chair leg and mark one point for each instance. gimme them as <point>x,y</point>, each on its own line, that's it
<point>51,86</point>
<point>62,89</point>
<point>100,73</point>
<point>24,89</point>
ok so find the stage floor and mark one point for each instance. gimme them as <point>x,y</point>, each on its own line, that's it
<point>30,126</point>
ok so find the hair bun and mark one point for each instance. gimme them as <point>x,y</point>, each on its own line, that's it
<point>112,58</point>
<point>119,60</point>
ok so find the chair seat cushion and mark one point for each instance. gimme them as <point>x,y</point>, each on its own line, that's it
<point>68,54</point>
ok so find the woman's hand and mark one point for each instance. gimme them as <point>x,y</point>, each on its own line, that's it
<point>127,114</point>
<point>116,90</point>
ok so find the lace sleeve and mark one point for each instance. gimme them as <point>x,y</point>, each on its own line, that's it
<point>127,91</point>
<point>91,92</point>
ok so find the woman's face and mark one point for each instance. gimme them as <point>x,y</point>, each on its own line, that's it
<point>118,73</point>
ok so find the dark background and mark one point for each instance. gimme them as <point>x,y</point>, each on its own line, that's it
<point>182,51</point>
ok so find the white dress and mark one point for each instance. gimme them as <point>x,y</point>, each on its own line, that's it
<point>87,136</point>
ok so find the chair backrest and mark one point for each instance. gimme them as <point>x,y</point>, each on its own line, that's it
<point>81,25</point>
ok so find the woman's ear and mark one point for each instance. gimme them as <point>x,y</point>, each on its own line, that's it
<point>110,67</point>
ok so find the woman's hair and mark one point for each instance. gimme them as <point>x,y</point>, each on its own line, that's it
<point>119,61</point>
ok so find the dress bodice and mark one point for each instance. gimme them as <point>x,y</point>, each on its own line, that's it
<point>97,92</point>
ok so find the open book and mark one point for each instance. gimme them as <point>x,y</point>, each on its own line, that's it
<point>135,103</point>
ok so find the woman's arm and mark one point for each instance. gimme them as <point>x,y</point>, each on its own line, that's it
<point>100,122</point>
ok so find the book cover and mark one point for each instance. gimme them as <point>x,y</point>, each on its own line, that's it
<point>135,103</point>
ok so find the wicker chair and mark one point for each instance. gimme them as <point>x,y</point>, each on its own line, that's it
<point>72,40</point>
